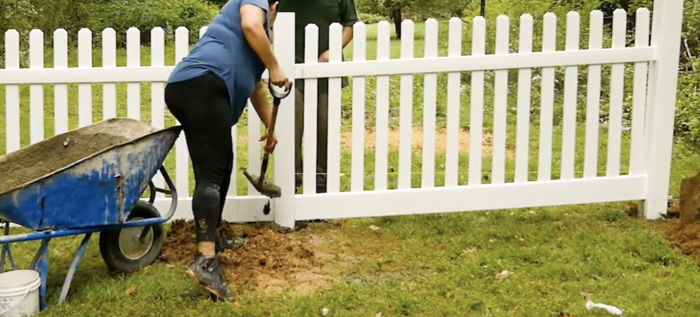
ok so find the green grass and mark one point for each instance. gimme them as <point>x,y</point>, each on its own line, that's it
<point>428,265</point>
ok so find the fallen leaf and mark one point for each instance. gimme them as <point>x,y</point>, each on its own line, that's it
<point>169,266</point>
<point>502,276</point>
<point>379,315</point>
<point>492,240</point>
<point>147,270</point>
<point>586,295</point>
<point>469,250</point>
<point>522,240</point>
<point>373,228</point>
<point>267,313</point>
<point>130,290</point>
<point>563,314</point>
<point>558,224</point>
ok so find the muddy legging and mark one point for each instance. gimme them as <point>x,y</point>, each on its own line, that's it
<point>203,108</point>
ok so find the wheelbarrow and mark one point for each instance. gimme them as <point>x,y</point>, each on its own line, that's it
<point>99,191</point>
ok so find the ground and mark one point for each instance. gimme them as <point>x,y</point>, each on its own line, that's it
<point>526,262</point>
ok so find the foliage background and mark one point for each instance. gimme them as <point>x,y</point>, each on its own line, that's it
<point>72,15</point>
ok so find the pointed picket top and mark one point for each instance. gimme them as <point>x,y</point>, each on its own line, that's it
<point>84,48</point>
<point>11,32</point>
<point>596,14</point>
<point>36,49</point>
<point>157,31</point>
<point>573,15</point>
<point>311,27</point>
<point>335,28</point>
<point>181,30</point>
<point>84,32</point>
<point>406,23</point>
<point>182,43</point>
<point>109,32</point>
<point>60,48</point>
<point>60,33</point>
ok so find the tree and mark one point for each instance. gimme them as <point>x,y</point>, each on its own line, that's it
<point>395,8</point>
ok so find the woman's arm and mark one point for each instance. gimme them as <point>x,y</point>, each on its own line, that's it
<point>259,101</point>
<point>253,25</point>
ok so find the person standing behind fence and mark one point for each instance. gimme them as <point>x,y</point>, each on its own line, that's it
<point>207,92</point>
<point>322,13</point>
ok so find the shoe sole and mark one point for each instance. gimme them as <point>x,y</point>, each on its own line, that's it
<point>212,291</point>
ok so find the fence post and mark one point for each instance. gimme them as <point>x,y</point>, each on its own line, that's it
<point>661,101</point>
<point>284,207</point>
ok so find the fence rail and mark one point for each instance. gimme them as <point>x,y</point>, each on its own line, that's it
<point>507,106</point>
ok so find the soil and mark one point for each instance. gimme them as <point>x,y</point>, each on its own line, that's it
<point>40,159</point>
<point>685,237</point>
<point>416,141</point>
<point>272,260</point>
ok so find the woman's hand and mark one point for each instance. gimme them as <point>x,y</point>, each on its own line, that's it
<point>270,145</point>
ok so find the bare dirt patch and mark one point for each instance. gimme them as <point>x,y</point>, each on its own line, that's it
<point>416,141</point>
<point>271,261</point>
<point>685,237</point>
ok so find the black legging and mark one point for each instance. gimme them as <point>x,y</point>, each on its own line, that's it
<point>203,108</point>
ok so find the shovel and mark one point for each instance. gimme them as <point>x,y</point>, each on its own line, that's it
<point>261,184</point>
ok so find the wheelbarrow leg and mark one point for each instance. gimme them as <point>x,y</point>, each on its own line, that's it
<point>6,251</point>
<point>74,267</point>
<point>41,264</point>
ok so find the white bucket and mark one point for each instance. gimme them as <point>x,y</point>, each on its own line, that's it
<point>19,293</point>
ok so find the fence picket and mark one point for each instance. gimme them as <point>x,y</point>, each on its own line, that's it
<point>133,59</point>
<point>637,158</point>
<point>358,111</point>
<point>549,41</point>
<point>617,89</point>
<point>595,41</point>
<point>429,107</point>
<point>568,146</point>
<point>182,158</point>
<point>36,92</point>
<point>310,113</point>
<point>381,161</point>
<point>157,91</point>
<point>500,104</point>
<point>335,95</point>
<point>452,153</point>
<point>476,115</point>
<point>60,91</point>
<point>12,117</point>
<point>84,90</point>
<point>406,108</point>
<point>109,59</point>
<point>522,135</point>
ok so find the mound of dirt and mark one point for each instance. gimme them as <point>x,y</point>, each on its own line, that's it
<point>271,261</point>
<point>50,155</point>
<point>685,237</point>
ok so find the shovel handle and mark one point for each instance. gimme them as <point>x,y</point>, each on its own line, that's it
<point>279,95</point>
<point>277,98</point>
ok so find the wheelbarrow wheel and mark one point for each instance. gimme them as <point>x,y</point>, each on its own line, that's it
<point>124,251</point>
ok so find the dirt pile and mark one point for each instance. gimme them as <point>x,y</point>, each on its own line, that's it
<point>685,237</point>
<point>45,157</point>
<point>271,261</point>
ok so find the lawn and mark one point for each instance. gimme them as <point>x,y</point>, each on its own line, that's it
<point>428,265</point>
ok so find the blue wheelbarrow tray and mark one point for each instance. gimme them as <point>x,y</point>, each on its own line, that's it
<point>89,177</point>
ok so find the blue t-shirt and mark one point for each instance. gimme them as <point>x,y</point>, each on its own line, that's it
<point>224,51</point>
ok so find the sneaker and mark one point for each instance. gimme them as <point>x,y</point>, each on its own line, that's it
<point>205,269</point>
<point>228,242</point>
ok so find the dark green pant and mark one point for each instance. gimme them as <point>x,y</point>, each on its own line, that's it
<point>321,140</point>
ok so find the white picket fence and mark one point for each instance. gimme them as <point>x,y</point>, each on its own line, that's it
<point>652,114</point>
